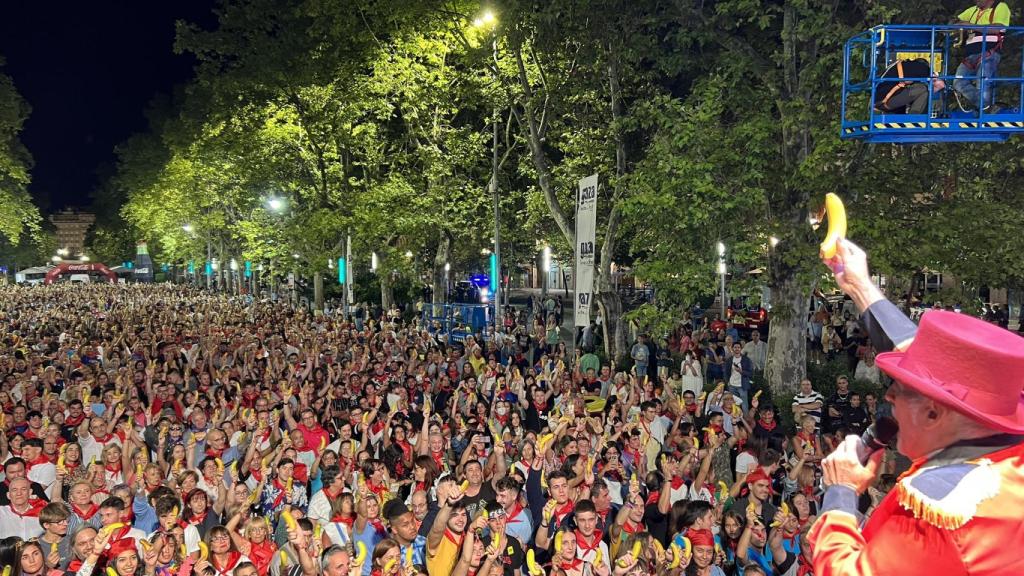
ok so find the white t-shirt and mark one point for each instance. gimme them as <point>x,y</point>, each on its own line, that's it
<point>44,474</point>
<point>745,463</point>
<point>736,378</point>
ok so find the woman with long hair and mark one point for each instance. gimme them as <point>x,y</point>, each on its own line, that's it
<point>424,473</point>
<point>29,559</point>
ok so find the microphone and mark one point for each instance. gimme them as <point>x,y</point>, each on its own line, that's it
<point>877,437</point>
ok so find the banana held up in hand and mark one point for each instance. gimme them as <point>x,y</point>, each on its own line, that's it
<point>835,212</point>
<point>360,554</point>
<point>531,564</point>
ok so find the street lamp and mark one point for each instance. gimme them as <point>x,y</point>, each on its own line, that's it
<point>373,262</point>
<point>188,228</point>
<point>275,204</point>
<point>56,258</point>
<point>85,258</point>
<point>63,252</point>
<point>773,241</point>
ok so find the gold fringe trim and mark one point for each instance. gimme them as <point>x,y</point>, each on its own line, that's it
<point>959,506</point>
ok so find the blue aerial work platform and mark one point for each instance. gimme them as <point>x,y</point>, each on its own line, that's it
<point>868,54</point>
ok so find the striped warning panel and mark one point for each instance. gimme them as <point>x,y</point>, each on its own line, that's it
<point>1004,124</point>
<point>926,125</point>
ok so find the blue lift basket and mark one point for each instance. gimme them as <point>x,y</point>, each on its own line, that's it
<point>869,54</point>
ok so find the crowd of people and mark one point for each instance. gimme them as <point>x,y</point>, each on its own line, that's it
<point>164,430</point>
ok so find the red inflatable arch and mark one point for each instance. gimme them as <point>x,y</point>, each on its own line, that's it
<point>83,268</point>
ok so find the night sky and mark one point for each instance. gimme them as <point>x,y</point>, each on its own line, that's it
<point>89,69</point>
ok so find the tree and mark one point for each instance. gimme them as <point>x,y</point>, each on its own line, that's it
<point>18,214</point>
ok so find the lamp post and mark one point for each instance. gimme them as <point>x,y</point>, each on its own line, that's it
<point>489,20</point>
<point>721,273</point>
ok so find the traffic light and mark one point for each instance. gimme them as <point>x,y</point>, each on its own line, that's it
<point>342,271</point>
<point>129,264</point>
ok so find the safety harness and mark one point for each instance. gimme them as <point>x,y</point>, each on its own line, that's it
<point>997,47</point>
<point>899,86</point>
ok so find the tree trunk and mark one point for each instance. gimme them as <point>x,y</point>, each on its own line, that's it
<point>387,289</point>
<point>318,291</point>
<point>612,326</point>
<point>787,340</point>
<point>440,276</point>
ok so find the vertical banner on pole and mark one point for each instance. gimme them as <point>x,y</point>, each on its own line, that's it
<point>586,225</point>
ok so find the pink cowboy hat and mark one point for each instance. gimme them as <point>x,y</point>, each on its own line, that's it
<point>972,366</point>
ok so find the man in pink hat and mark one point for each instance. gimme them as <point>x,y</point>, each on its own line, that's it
<point>957,395</point>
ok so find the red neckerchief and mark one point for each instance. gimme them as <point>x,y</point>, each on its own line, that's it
<point>581,542</point>
<point>604,515</point>
<point>452,537</point>
<point>300,472</point>
<point>103,439</point>
<point>677,482</point>
<point>511,516</point>
<point>113,468</point>
<point>378,526</point>
<point>34,506</point>
<point>74,566</point>
<point>769,426</point>
<point>262,555</point>
<point>632,529</point>
<point>635,454</point>
<point>198,520</point>
<point>280,497</point>
<point>438,458</point>
<point>86,514</point>
<point>540,407</point>
<point>563,511</point>
<point>691,408</point>
<point>331,497</point>
<point>502,419</point>
<point>74,420</point>
<point>653,497</point>
<point>233,557</point>
<point>42,459</point>
<point>378,490</point>
<point>212,453</point>
<point>570,565</point>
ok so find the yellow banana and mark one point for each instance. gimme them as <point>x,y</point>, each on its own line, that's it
<point>146,546</point>
<point>323,444</point>
<point>464,486</point>
<point>220,466</point>
<point>360,554</point>
<point>531,564</point>
<point>723,491</point>
<point>284,559</point>
<point>757,394</point>
<point>389,565</point>
<point>836,214</point>
<point>696,443</point>
<point>785,510</point>
<point>637,548</point>
<point>658,548</point>
<point>111,572</point>
<point>598,557</point>
<point>677,556</point>
<point>288,488</point>
<point>408,556</point>
<point>60,458</point>
<point>204,551</point>
<point>687,547</point>
<point>286,515</point>
<point>138,470</point>
<point>109,529</point>
<point>558,542</point>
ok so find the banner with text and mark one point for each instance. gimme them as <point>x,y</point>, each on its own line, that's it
<point>586,226</point>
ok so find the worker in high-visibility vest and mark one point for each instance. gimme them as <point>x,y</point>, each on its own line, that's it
<point>984,47</point>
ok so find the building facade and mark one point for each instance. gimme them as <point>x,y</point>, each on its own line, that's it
<point>71,229</point>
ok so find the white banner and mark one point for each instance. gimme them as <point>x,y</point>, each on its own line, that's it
<point>586,227</point>
<point>348,270</point>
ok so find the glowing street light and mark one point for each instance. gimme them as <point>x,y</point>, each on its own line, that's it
<point>773,241</point>
<point>63,251</point>
<point>408,253</point>
<point>56,258</point>
<point>275,204</point>
<point>188,228</point>
<point>85,258</point>
<point>234,264</point>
